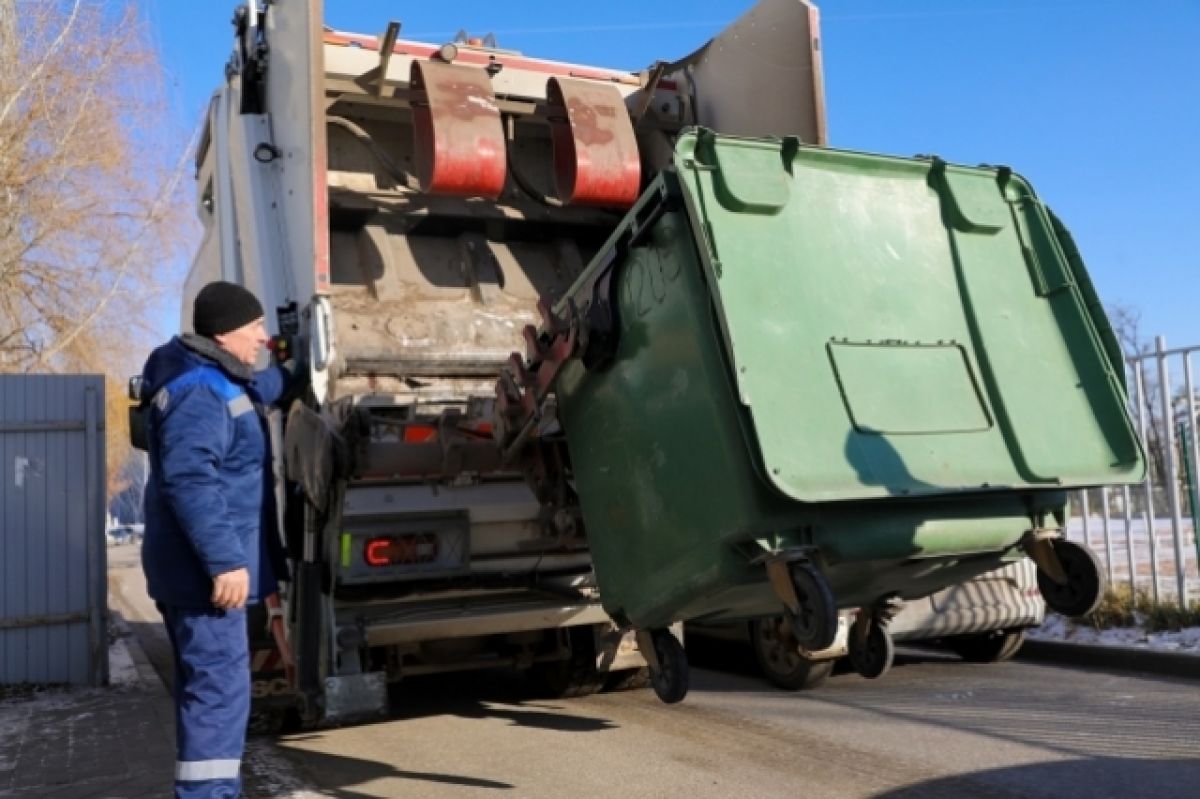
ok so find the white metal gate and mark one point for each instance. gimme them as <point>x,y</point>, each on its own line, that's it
<point>1146,535</point>
<point>53,594</point>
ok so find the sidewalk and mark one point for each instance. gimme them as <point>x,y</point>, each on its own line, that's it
<point>117,742</point>
<point>113,743</point>
<point>87,743</point>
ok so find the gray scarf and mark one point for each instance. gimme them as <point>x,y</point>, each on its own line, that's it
<point>211,350</point>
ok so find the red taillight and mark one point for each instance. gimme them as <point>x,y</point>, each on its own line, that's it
<point>419,434</point>
<point>399,550</point>
<point>424,433</point>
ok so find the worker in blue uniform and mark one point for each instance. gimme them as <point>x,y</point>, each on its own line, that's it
<point>209,546</point>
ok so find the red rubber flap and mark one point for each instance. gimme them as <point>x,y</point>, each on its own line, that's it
<point>458,136</point>
<point>596,159</point>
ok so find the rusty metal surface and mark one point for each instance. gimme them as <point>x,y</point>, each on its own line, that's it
<point>442,459</point>
<point>523,386</point>
<point>596,159</point>
<point>423,330</point>
<point>437,306</point>
<point>459,139</point>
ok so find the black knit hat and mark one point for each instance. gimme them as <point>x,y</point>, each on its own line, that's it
<point>221,307</point>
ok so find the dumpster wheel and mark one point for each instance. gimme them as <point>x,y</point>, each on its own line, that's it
<point>669,675</point>
<point>1080,593</point>
<point>816,624</point>
<point>871,648</point>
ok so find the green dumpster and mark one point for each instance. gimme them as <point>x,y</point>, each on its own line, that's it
<point>883,373</point>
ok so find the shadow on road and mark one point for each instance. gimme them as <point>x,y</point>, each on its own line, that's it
<point>482,695</point>
<point>347,772</point>
<point>735,657</point>
<point>351,778</point>
<point>488,694</point>
<point>1125,777</point>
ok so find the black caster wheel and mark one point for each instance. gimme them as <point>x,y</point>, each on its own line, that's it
<point>670,679</point>
<point>872,655</point>
<point>816,625</point>
<point>1084,587</point>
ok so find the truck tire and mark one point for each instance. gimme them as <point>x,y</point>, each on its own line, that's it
<point>992,647</point>
<point>780,659</point>
<point>627,680</point>
<point>274,721</point>
<point>575,676</point>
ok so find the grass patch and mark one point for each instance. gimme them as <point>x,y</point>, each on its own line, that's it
<point>1121,607</point>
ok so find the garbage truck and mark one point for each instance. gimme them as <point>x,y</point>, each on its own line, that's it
<point>402,208</point>
<point>411,213</point>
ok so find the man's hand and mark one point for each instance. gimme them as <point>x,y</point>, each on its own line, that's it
<point>231,589</point>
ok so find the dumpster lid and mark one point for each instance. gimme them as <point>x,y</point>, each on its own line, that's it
<point>901,327</point>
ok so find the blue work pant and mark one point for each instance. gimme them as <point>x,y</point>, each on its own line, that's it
<point>212,700</point>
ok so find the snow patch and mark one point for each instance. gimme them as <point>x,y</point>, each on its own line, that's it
<point>1059,628</point>
<point>122,671</point>
<point>14,722</point>
<point>18,712</point>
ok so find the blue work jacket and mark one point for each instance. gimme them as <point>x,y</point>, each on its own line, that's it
<point>210,500</point>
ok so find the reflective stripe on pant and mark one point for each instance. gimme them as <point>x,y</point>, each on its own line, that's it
<point>212,700</point>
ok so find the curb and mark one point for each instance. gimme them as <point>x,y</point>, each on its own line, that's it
<point>1117,658</point>
<point>148,676</point>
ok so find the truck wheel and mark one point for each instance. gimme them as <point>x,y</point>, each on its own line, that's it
<point>257,634</point>
<point>816,625</point>
<point>575,676</point>
<point>565,680</point>
<point>627,680</point>
<point>780,659</point>
<point>991,647</point>
<point>871,655</point>
<point>275,721</point>
<point>670,681</point>
<point>1084,588</point>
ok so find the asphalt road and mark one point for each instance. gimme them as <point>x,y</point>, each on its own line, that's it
<point>933,727</point>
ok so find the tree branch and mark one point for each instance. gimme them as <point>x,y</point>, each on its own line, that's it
<point>167,191</point>
<point>36,74</point>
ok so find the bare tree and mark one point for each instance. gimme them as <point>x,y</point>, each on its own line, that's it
<point>92,217</point>
<point>1126,323</point>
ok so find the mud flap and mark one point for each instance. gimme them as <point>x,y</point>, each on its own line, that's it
<point>355,696</point>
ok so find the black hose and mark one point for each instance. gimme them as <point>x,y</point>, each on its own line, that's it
<point>398,174</point>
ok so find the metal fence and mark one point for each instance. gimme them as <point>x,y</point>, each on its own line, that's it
<point>53,590</point>
<point>1146,535</point>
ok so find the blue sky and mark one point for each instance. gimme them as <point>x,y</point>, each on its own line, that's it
<point>1097,104</point>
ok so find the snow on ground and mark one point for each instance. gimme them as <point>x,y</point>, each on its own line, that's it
<point>1058,628</point>
<point>21,706</point>
<point>121,668</point>
<point>14,719</point>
